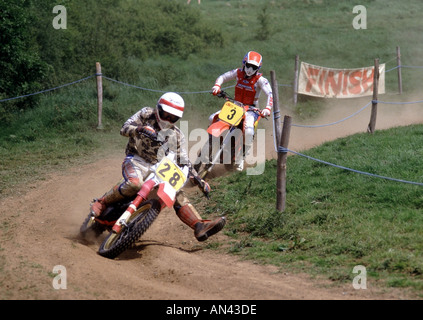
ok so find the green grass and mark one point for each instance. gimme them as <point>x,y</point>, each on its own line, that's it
<point>335,219</point>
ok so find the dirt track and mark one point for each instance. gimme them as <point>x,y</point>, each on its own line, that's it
<point>39,230</point>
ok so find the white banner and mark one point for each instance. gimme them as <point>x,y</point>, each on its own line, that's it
<point>338,83</point>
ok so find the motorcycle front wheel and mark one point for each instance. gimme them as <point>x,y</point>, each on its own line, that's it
<point>139,222</point>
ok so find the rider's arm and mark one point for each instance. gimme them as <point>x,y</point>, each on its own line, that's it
<point>129,128</point>
<point>263,85</point>
<point>227,76</point>
<point>182,153</point>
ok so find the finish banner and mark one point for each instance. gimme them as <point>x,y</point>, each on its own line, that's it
<point>338,83</point>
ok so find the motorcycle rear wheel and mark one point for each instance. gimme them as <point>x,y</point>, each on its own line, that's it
<point>89,225</point>
<point>139,222</point>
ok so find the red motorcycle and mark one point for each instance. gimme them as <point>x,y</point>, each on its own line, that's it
<point>227,132</point>
<point>128,220</point>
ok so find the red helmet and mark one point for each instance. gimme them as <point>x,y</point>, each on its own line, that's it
<point>252,62</point>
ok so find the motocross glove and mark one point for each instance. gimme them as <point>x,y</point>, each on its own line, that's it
<point>202,184</point>
<point>147,131</point>
<point>206,188</point>
<point>265,112</point>
<point>216,89</point>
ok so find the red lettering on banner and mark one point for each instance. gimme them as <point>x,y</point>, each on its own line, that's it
<point>330,82</point>
<point>367,80</point>
<point>341,83</point>
<point>355,80</point>
<point>345,83</point>
<point>311,73</point>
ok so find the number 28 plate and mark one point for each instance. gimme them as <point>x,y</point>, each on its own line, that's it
<point>169,172</point>
<point>231,113</point>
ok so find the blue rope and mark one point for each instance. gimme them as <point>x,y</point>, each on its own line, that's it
<point>410,102</point>
<point>180,92</point>
<point>47,90</point>
<point>392,69</point>
<point>160,91</point>
<point>285,150</point>
<point>409,67</point>
<point>336,122</point>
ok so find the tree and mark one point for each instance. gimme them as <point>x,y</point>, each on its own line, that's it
<point>21,67</point>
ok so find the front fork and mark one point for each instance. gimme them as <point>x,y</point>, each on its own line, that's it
<point>142,195</point>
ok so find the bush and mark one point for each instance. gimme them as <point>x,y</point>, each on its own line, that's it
<point>34,55</point>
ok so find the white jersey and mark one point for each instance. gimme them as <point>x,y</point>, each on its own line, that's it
<point>261,85</point>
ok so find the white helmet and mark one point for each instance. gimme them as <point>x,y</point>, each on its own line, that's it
<point>170,109</point>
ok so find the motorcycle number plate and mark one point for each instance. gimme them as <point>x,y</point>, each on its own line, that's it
<point>169,172</point>
<point>231,113</point>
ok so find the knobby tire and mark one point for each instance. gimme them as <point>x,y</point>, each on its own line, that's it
<point>141,220</point>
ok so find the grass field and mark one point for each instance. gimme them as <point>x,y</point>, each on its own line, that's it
<point>334,220</point>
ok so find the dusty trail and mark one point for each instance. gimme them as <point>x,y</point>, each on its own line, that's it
<point>39,230</point>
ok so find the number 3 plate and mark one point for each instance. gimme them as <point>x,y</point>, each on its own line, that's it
<point>231,113</point>
<point>169,172</point>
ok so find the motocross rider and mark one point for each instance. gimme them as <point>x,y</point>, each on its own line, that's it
<point>249,84</point>
<point>142,152</point>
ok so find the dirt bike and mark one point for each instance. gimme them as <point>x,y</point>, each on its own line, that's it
<point>228,127</point>
<point>128,220</point>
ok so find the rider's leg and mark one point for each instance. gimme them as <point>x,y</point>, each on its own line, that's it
<point>249,131</point>
<point>205,155</point>
<point>133,171</point>
<point>203,229</point>
<point>111,196</point>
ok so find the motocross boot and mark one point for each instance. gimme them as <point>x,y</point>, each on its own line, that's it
<point>203,229</point>
<point>109,197</point>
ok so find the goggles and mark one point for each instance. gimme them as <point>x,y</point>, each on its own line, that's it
<point>166,116</point>
<point>249,65</point>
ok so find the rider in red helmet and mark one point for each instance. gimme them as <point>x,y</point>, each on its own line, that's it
<point>249,84</point>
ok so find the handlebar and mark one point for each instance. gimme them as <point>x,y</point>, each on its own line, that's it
<point>223,94</point>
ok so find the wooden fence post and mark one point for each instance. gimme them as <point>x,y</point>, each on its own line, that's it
<point>276,110</point>
<point>99,95</point>
<point>399,70</point>
<point>295,84</point>
<point>372,123</point>
<point>281,172</point>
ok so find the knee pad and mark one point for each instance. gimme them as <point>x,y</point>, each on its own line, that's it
<point>130,187</point>
<point>249,136</point>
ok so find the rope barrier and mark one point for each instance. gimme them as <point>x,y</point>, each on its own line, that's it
<point>180,92</point>
<point>409,102</point>
<point>333,123</point>
<point>51,89</point>
<point>409,67</point>
<point>285,150</point>
<point>116,81</point>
